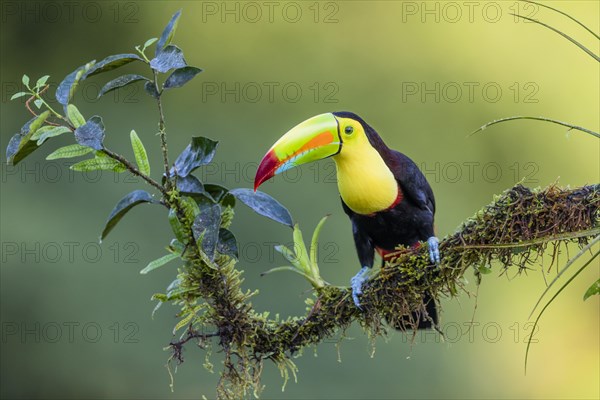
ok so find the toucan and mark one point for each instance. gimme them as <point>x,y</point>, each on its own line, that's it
<point>387,198</point>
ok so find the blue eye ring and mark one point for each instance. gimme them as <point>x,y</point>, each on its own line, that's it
<point>348,130</point>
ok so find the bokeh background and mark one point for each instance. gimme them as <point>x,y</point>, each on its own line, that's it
<point>76,316</point>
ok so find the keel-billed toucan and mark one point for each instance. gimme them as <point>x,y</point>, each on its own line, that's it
<point>386,196</point>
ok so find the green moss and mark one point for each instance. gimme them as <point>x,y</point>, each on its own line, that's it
<point>513,231</point>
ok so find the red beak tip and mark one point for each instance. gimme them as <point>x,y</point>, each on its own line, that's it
<point>257,183</point>
<point>266,169</point>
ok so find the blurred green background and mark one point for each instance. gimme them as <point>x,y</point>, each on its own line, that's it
<point>76,316</point>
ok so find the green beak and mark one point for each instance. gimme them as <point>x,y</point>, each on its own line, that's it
<point>311,140</point>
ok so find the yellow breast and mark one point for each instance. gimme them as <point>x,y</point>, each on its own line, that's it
<point>365,182</point>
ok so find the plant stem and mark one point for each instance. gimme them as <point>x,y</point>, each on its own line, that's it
<point>569,263</point>
<point>132,168</point>
<point>566,15</point>
<point>162,132</point>
<point>533,242</point>
<point>38,96</point>
<point>535,324</point>
<point>570,126</point>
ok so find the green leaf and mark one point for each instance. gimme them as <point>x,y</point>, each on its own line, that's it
<point>220,194</point>
<point>38,103</point>
<point>592,290</point>
<point>264,204</point>
<point>289,255</point>
<point>110,63</point>
<point>159,262</point>
<point>190,185</point>
<point>65,90</point>
<point>190,210</point>
<point>314,243</point>
<point>190,206</point>
<point>300,249</point>
<point>227,244</point>
<point>98,163</point>
<point>159,296</point>
<point>185,321</point>
<point>286,268</point>
<point>42,81</point>
<point>484,269</point>
<point>39,121</point>
<point>149,42</point>
<point>167,35</point>
<point>74,150</point>
<point>176,226</point>
<point>52,132</point>
<point>173,288</point>
<point>36,123</point>
<point>91,134</point>
<point>180,77</point>
<point>36,135</point>
<point>21,145</point>
<point>206,229</point>
<point>170,58</point>
<point>75,116</point>
<point>123,206</point>
<point>200,152</point>
<point>121,82</point>
<point>150,88</point>
<point>141,157</point>
<point>176,293</point>
<point>159,303</point>
<point>25,80</point>
<point>19,94</point>
<point>176,247</point>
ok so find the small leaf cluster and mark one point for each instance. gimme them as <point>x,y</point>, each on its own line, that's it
<point>302,263</point>
<point>89,133</point>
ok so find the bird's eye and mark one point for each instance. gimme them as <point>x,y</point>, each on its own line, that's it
<point>349,130</point>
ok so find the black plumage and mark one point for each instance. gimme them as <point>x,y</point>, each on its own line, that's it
<point>405,223</point>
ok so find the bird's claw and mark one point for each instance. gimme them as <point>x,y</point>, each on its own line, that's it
<point>356,283</point>
<point>434,249</point>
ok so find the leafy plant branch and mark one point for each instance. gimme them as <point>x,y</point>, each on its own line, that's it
<point>132,168</point>
<point>513,232</point>
<point>162,129</point>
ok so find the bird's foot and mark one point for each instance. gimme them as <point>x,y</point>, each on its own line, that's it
<point>357,282</point>
<point>434,249</point>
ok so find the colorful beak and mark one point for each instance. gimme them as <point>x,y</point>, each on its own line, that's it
<point>312,140</point>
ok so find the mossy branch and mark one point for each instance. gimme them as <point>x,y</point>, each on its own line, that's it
<point>514,231</point>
